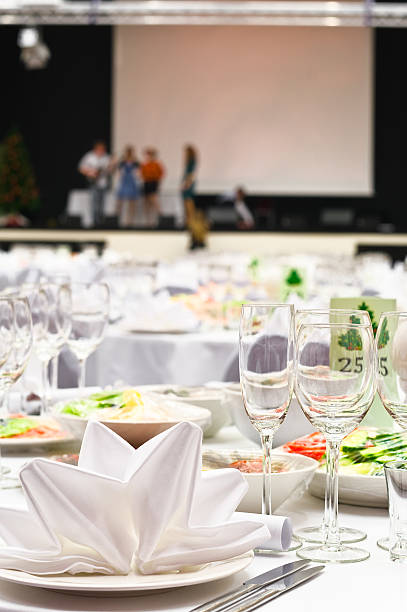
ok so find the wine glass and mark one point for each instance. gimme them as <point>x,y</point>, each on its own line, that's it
<point>335,397</point>
<point>317,534</point>
<point>59,324</point>
<point>16,331</point>
<point>59,279</point>
<point>20,350</point>
<point>266,353</point>
<point>90,314</point>
<point>391,342</point>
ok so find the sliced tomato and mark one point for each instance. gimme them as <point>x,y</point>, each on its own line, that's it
<point>313,446</point>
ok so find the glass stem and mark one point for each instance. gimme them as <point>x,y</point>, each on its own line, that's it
<point>267,445</point>
<point>328,482</point>
<point>45,388</point>
<point>82,373</point>
<point>54,374</point>
<point>332,539</point>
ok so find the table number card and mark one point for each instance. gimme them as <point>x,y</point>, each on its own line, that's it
<point>345,356</point>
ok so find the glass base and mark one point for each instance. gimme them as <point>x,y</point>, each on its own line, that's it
<point>330,554</point>
<point>315,535</point>
<point>383,543</point>
<point>295,545</point>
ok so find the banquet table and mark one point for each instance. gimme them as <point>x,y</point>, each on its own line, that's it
<point>372,585</point>
<point>155,358</point>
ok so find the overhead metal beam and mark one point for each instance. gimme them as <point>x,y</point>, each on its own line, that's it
<point>198,12</point>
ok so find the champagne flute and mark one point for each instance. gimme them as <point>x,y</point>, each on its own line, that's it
<point>266,352</point>
<point>59,325</point>
<point>90,315</point>
<point>391,342</point>
<point>59,279</point>
<point>317,534</point>
<point>335,397</point>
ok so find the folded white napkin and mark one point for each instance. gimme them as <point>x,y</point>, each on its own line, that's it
<point>153,507</point>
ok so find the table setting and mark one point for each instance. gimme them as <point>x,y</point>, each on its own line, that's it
<point>206,496</point>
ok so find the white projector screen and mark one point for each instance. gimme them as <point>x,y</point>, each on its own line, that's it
<point>280,110</point>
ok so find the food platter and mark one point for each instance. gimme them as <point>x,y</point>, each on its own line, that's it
<point>49,440</point>
<point>354,489</point>
<point>130,420</point>
<point>132,583</point>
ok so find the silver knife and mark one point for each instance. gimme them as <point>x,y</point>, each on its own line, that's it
<point>249,586</point>
<point>278,588</point>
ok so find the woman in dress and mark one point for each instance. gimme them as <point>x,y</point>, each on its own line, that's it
<point>129,189</point>
<point>188,183</point>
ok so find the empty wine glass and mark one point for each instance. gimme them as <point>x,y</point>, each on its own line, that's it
<point>59,323</point>
<point>266,352</point>
<point>90,315</point>
<point>391,342</point>
<point>335,397</point>
<point>16,332</point>
<point>20,348</point>
<point>58,279</point>
<point>317,534</point>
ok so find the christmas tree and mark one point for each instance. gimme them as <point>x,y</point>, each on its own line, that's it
<point>18,189</point>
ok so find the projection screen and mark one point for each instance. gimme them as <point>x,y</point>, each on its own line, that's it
<point>280,110</point>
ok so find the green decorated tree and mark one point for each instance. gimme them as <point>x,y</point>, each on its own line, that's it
<point>293,277</point>
<point>18,188</point>
<point>364,306</point>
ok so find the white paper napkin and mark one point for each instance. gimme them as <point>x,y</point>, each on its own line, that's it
<point>153,506</point>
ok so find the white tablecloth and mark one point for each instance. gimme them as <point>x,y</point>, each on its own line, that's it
<point>374,585</point>
<point>187,359</point>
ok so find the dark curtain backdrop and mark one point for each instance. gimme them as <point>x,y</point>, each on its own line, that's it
<point>61,109</point>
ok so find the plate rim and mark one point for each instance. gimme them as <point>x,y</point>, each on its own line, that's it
<point>192,578</point>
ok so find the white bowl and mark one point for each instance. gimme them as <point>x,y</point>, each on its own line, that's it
<point>283,484</point>
<point>136,432</point>
<point>204,397</point>
<point>295,424</point>
<point>354,489</point>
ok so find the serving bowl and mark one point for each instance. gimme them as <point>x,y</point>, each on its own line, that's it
<point>354,489</point>
<point>203,397</point>
<point>283,484</point>
<point>136,431</point>
<point>295,424</point>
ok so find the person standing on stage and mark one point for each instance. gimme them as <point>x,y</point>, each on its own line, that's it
<point>152,172</point>
<point>188,183</point>
<point>129,188</point>
<point>96,166</point>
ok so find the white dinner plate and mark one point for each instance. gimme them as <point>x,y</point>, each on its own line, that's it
<point>354,489</point>
<point>27,443</point>
<point>131,584</point>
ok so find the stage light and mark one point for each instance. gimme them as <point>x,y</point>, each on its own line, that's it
<point>34,52</point>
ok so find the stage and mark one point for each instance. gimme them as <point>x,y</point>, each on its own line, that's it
<point>170,244</point>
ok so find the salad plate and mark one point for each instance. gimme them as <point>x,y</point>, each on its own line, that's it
<point>134,416</point>
<point>20,432</point>
<point>132,583</point>
<point>363,455</point>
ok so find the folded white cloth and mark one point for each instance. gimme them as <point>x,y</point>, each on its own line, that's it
<point>157,313</point>
<point>152,507</point>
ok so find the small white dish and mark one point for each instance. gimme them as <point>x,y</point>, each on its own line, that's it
<point>283,484</point>
<point>130,584</point>
<point>203,397</point>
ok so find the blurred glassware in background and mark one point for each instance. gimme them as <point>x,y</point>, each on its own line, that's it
<point>90,316</point>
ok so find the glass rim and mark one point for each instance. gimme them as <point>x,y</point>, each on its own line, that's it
<point>268,304</point>
<point>328,310</point>
<point>388,313</point>
<point>328,325</point>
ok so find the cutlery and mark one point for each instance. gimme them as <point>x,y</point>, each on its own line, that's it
<point>278,588</point>
<point>249,586</point>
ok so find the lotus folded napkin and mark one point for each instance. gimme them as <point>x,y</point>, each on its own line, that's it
<point>152,508</point>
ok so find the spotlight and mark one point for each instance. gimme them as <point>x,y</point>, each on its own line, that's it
<point>34,52</point>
